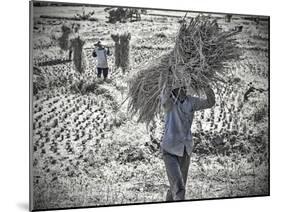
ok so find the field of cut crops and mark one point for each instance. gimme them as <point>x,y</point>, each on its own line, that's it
<point>88,151</point>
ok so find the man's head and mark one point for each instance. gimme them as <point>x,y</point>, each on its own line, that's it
<point>179,89</point>
<point>180,93</point>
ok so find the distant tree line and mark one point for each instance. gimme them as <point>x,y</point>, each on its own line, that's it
<point>124,14</point>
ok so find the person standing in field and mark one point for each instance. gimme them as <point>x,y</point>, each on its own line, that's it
<point>177,144</point>
<point>101,54</point>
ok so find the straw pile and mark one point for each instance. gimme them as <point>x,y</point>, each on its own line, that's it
<point>145,88</point>
<point>122,50</point>
<point>203,49</point>
<point>79,58</point>
<point>63,41</point>
<point>116,39</point>
<point>125,50</point>
<point>197,59</point>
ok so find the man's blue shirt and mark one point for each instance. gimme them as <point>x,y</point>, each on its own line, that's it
<point>178,120</point>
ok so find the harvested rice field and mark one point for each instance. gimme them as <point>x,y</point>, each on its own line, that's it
<point>87,150</point>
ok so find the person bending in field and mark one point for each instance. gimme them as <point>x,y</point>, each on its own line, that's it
<point>101,53</point>
<point>177,144</point>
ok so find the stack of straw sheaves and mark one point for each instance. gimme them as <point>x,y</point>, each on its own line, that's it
<point>69,41</point>
<point>122,49</point>
<point>79,57</point>
<point>63,40</point>
<point>198,58</point>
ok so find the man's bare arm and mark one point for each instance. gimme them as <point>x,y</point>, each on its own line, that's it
<point>166,99</point>
<point>200,104</point>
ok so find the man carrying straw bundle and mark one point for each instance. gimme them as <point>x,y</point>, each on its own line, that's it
<point>198,61</point>
<point>101,53</point>
<point>177,141</point>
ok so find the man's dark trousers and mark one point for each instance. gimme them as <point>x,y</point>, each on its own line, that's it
<point>177,171</point>
<point>103,71</point>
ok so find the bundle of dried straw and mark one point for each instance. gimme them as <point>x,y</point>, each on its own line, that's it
<point>145,88</point>
<point>125,50</point>
<point>122,49</point>
<point>198,58</point>
<point>116,40</point>
<point>203,49</point>
<point>63,41</point>
<point>79,57</point>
